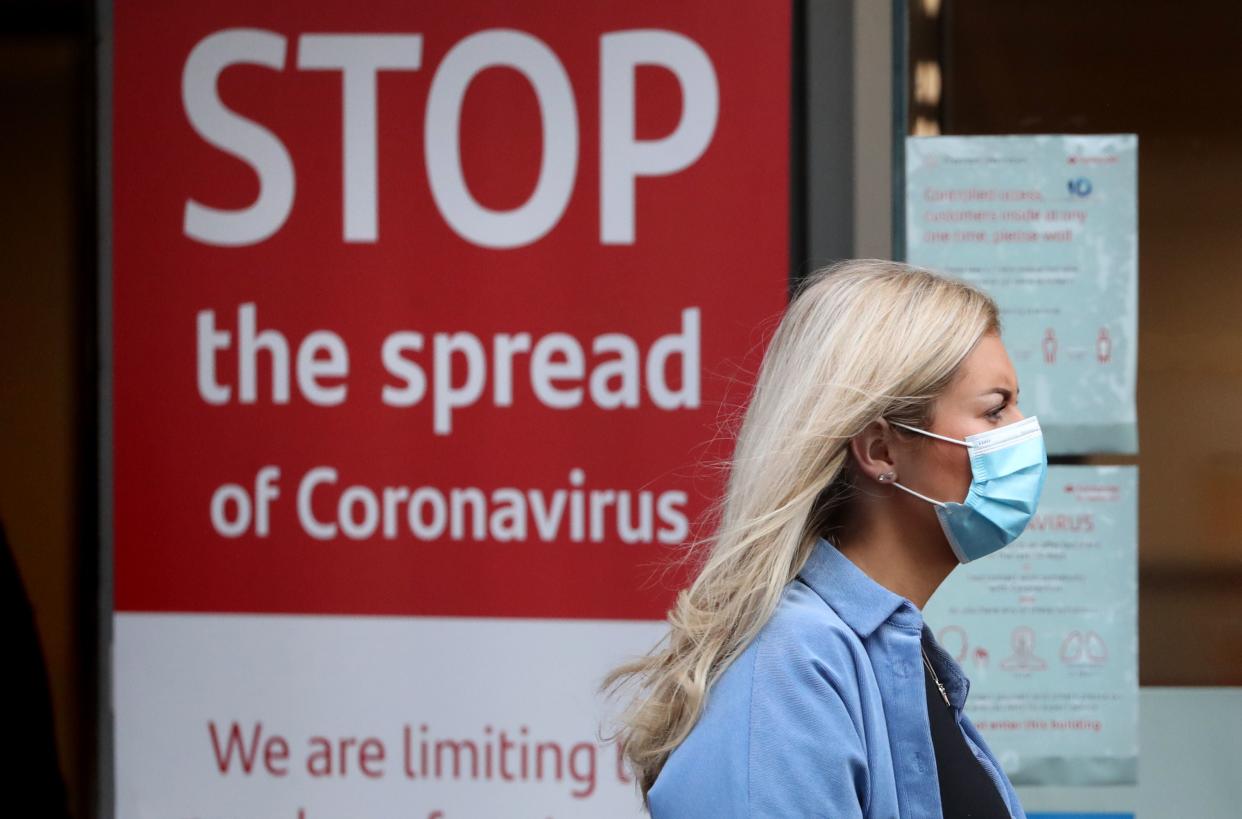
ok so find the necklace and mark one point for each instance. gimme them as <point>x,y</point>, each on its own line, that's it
<point>939,685</point>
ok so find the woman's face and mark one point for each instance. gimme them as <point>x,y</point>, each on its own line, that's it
<point>983,396</point>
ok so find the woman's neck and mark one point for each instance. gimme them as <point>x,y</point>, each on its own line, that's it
<point>895,554</point>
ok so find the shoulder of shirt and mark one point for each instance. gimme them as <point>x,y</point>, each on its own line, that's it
<point>806,640</point>
<point>805,657</point>
<point>804,622</point>
<point>780,679</point>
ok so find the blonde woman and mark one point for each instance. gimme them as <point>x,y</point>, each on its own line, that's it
<point>883,446</point>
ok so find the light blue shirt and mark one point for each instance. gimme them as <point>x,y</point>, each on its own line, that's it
<point>824,714</point>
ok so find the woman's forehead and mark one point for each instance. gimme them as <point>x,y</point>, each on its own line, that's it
<point>987,368</point>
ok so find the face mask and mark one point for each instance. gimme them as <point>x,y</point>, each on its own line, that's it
<point>1008,466</point>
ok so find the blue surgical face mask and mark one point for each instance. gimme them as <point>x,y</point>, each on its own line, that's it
<point>1008,467</point>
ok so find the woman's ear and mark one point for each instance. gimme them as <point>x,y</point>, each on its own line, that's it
<point>872,451</point>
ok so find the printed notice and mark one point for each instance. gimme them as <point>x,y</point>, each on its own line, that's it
<point>1047,631</point>
<point>422,319</point>
<point>1049,226</point>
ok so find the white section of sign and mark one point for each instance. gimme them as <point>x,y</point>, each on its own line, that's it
<point>366,717</point>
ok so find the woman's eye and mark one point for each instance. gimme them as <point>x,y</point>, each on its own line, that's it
<point>995,414</point>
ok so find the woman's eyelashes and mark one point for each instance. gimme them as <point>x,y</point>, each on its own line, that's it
<point>996,413</point>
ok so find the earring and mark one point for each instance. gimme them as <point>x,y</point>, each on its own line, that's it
<point>886,476</point>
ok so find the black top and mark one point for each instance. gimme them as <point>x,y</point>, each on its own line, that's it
<point>966,789</point>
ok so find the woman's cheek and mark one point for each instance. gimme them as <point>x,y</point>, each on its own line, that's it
<point>957,476</point>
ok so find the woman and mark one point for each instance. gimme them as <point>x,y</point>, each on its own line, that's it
<point>882,446</point>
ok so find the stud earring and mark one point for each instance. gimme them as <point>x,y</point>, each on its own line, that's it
<point>886,476</point>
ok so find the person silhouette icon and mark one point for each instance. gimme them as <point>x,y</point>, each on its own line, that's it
<point>1022,641</point>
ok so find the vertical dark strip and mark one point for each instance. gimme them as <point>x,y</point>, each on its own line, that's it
<point>901,127</point>
<point>828,95</point>
<point>86,423</point>
<point>823,96</point>
<point>103,769</point>
<point>797,146</point>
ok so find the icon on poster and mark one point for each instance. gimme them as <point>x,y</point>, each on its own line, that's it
<point>1079,648</point>
<point>1050,346</point>
<point>953,640</point>
<point>1104,346</point>
<point>1024,658</point>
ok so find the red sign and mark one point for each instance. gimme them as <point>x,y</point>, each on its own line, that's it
<point>430,309</point>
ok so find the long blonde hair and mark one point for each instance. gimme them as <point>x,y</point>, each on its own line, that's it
<point>861,339</point>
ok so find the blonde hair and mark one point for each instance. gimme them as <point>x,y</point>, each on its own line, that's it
<point>861,339</point>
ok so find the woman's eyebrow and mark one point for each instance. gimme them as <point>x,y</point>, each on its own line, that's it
<point>1003,391</point>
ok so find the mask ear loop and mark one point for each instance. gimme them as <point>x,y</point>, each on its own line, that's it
<point>933,434</point>
<point>918,495</point>
<point>967,444</point>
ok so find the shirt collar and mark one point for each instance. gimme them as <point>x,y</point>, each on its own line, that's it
<point>864,604</point>
<point>860,601</point>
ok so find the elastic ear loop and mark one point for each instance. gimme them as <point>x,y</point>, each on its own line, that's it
<point>918,495</point>
<point>966,444</point>
<point>933,434</point>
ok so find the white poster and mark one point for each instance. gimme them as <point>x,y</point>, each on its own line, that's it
<point>1048,225</point>
<point>1047,631</point>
